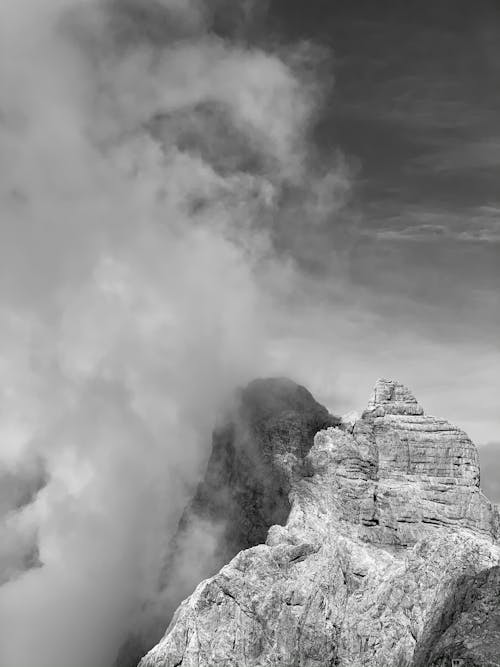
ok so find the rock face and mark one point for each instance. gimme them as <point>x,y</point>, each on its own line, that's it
<point>257,454</point>
<point>389,549</point>
<point>467,627</point>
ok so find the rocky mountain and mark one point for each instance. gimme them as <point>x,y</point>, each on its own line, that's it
<point>360,542</point>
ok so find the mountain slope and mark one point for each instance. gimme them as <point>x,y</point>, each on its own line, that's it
<point>257,452</point>
<point>386,520</point>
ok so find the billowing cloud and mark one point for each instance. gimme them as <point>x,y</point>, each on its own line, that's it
<point>149,172</point>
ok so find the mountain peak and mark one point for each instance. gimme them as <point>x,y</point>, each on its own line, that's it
<point>393,397</point>
<point>375,522</point>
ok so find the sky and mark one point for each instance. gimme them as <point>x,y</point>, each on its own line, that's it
<point>415,110</point>
<point>194,194</point>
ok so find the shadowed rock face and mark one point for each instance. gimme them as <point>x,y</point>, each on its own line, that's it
<point>19,544</point>
<point>255,458</point>
<point>467,627</point>
<point>257,453</point>
<point>384,520</point>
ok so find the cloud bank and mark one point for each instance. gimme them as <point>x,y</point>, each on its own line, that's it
<point>152,170</point>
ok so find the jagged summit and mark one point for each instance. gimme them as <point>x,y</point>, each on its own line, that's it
<point>392,397</point>
<point>380,520</point>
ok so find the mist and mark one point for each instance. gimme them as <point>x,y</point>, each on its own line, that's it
<point>152,166</point>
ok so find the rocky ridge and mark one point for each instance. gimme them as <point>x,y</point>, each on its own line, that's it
<point>386,539</point>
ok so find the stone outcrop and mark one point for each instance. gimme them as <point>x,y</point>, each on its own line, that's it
<point>427,471</point>
<point>386,522</point>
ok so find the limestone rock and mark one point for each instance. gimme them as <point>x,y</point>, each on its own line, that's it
<point>393,398</point>
<point>386,519</point>
<point>428,470</point>
<point>467,627</point>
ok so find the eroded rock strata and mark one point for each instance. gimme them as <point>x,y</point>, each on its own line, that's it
<point>387,537</point>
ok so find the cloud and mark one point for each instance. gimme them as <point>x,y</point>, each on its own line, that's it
<point>147,179</point>
<point>475,224</point>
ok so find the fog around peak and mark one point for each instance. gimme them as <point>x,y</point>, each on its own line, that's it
<point>147,175</point>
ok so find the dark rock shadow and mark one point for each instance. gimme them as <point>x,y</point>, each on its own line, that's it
<point>256,451</point>
<point>467,627</point>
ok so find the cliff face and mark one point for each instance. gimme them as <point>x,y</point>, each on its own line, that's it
<point>257,454</point>
<point>386,543</point>
<point>467,626</point>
